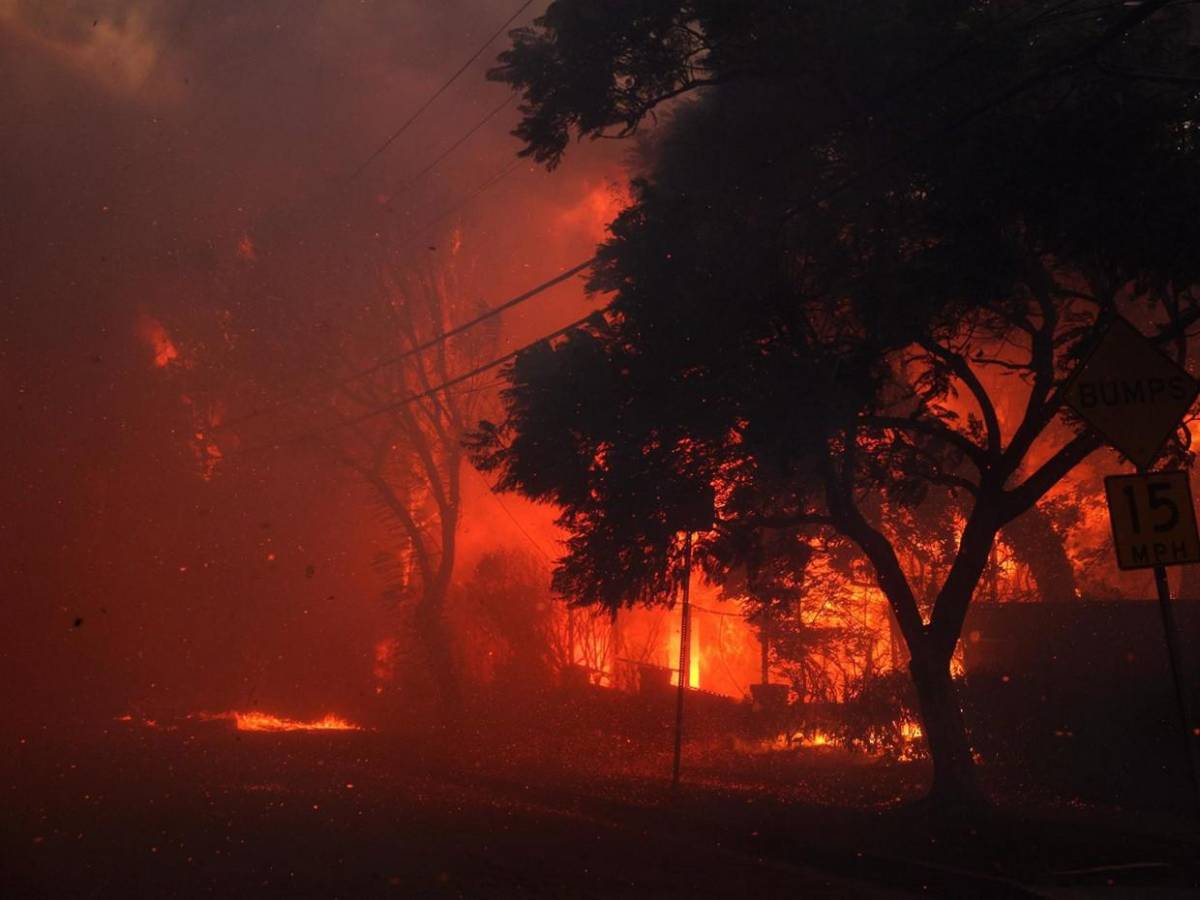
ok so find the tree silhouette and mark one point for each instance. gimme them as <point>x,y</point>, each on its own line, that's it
<point>837,264</point>
<point>411,456</point>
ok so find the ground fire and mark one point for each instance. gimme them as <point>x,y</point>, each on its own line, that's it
<point>580,448</point>
<point>260,721</point>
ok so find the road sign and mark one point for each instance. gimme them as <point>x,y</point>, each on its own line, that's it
<point>1131,393</point>
<point>1153,520</point>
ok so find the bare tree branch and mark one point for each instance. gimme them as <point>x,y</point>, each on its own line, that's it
<point>962,369</point>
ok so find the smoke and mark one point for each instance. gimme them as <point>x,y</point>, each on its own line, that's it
<point>119,50</point>
<point>179,223</point>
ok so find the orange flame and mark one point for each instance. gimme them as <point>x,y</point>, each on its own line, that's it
<point>600,204</point>
<point>387,654</point>
<point>261,721</point>
<point>696,648</point>
<point>256,720</point>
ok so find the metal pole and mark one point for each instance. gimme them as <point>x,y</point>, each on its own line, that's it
<point>685,655</point>
<point>1181,701</point>
<point>1171,632</point>
<point>764,644</point>
<point>570,641</point>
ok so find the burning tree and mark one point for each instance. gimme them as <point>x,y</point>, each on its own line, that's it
<point>379,410</point>
<point>509,600</point>
<point>411,455</point>
<point>849,293</point>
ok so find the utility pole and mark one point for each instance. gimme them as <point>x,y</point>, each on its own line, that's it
<point>570,640</point>
<point>764,640</point>
<point>693,512</point>
<point>685,655</point>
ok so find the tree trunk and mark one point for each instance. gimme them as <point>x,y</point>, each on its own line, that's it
<point>437,644</point>
<point>1039,545</point>
<point>955,786</point>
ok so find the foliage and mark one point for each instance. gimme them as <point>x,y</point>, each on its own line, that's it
<point>508,598</point>
<point>407,454</point>
<point>875,718</point>
<point>836,260</point>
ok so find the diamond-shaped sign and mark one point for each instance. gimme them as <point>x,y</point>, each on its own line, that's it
<point>1131,393</point>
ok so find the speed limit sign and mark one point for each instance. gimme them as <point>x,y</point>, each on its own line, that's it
<point>1153,521</point>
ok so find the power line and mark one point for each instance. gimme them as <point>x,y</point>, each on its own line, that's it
<point>332,185</point>
<point>441,90</point>
<point>458,143</point>
<point>486,185</point>
<point>521,528</point>
<point>407,186</point>
<point>490,182</point>
<point>1115,31</point>
<point>470,323</point>
<point>414,236</point>
<point>412,351</point>
<point>718,612</point>
<point>494,179</point>
<point>477,388</point>
<point>421,395</point>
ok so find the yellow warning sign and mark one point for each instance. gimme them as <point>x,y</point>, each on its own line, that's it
<point>1131,393</point>
<point>1153,520</point>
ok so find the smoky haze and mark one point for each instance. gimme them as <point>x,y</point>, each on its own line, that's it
<point>178,227</point>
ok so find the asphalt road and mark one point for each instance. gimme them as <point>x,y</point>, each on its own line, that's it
<point>214,813</point>
<point>342,816</point>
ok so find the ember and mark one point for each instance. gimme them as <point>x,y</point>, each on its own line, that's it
<point>155,335</point>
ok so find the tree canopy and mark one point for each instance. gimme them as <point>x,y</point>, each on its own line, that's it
<point>862,226</point>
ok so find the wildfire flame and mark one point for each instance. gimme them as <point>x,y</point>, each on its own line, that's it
<point>256,720</point>
<point>386,657</point>
<point>696,648</point>
<point>600,205</point>
<point>261,721</point>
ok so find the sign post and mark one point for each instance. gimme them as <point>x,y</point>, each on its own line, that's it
<point>1134,395</point>
<point>1154,526</point>
<point>1181,699</point>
